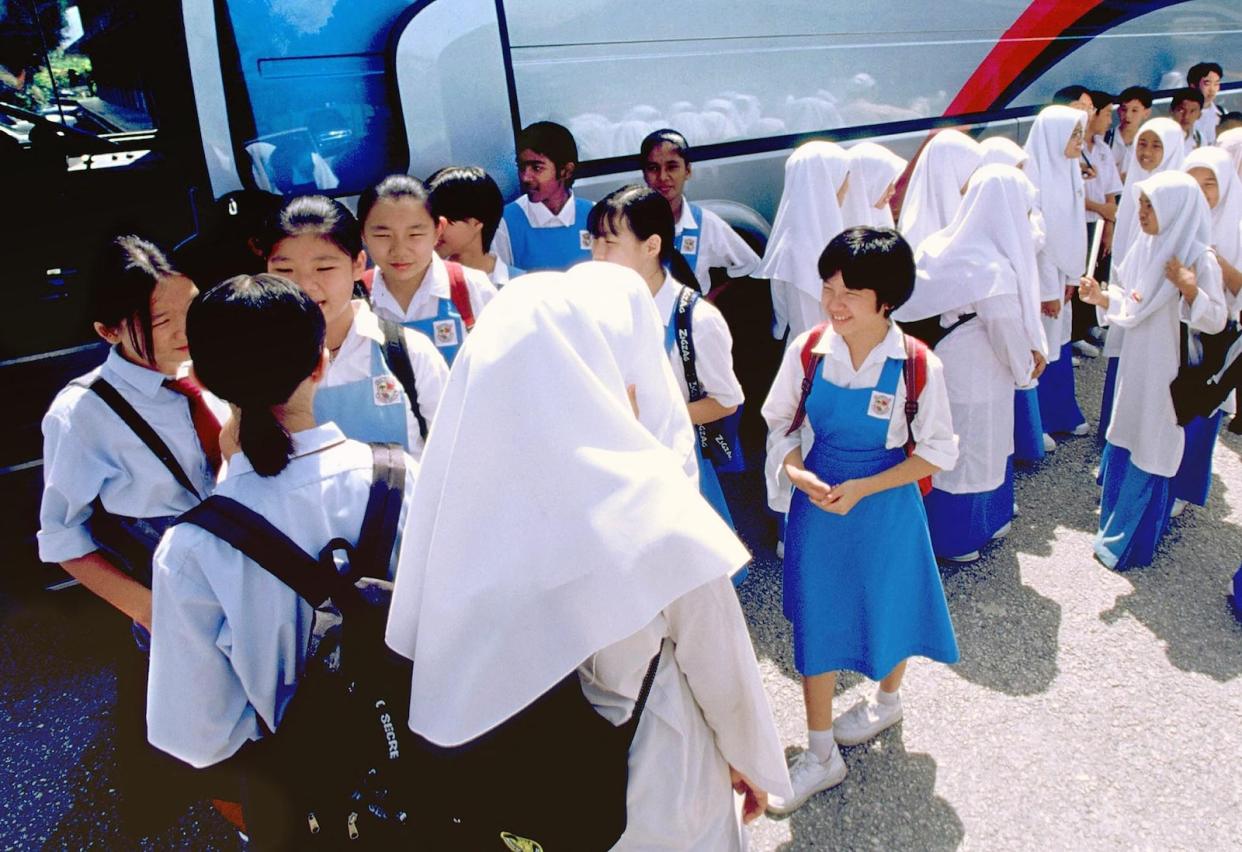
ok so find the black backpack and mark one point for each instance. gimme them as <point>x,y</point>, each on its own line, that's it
<point>332,774</point>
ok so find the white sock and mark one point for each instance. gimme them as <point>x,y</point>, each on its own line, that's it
<point>822,744</point>
<point>888,697</point>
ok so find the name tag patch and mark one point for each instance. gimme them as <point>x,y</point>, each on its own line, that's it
<point>445,332</point>
<point>881,405</point>
<point>584,240</point>
<point>386,390</point>
<point>689,244</point>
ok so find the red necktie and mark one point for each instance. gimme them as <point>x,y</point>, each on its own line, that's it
<point>205,423</point>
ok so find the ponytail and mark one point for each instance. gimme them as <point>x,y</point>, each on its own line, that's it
<point>645,213</point>
<point>254,340</point>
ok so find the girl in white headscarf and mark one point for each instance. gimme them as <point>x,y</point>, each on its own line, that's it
<point>1212,168</point>
<point>873,180</point>
<point>1003,150</point>
<point>978,276</point>
<point>1168,277</point>
<point>937,184</point>
<point>599,554</point>
<point>1159,146</point>
<point>1053,147</point>
<point>1231,141</point>
<point>809,215</point>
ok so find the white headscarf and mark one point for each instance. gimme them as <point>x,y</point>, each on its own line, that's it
<point>808,215</point>
<point>1231,141</point>
<point>547,522</point>
<point>1185,233</point>
<point>873,168</point>
<point>987,250</point>
<point>1059,181</point>
<point>935,189</point>
<point>1002,149</point>
<point>1173,139</point>
<point>1227,214</point>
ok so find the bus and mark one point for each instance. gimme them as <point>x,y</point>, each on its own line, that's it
<point>136,114</point>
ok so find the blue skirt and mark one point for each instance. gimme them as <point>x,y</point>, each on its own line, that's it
<point>1193,479</point>
<point>961,523</point>
<point>1134,511</point>
<point>862,590</point>
<point>1058,407</point>
<point>1028,428</point>
<point>1106,401</point>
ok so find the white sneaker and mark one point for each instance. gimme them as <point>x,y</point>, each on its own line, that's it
<point>1076,361</point>
<point>780,549</point>
<point>1085,349</point>
<point>1179,506</point>
<point>964,559</point>
<point>1003,531</point>
<point>865,720</point>
<point>1050,446</point>
<point>1081,429</point>
<point>1097,334</point>
<point>809,775</point>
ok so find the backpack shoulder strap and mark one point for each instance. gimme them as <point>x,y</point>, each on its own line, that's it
<point>644,693</point>
<point>378,534</point>
<point>460,293</point>
<point>397,357</point>
<point>102,388</point>
<point>914,372</point>
<point>683,326</point>
<point>810,365</point>
<point>256,537</point>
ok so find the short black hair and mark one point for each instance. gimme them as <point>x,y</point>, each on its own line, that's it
<point>1101,99</point>
<point>467,192</point>
<point>126,272</point>
<point>1142,94</point>
<point>1069,94</point>
<point>1200,70</point>
<point>1182,95</point>
<point>665,136</point>
<point>869,258</point>
<point>552,140</point>
<point>318,216</point>
<point>393,188</point>
<point>1231,119</point>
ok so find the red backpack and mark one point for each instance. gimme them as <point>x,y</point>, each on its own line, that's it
<point>458,291</point>
<point>914,371</point>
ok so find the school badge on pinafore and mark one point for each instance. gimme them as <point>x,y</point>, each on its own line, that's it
<point>584,240</point>
<point>445,332</point>
<point>881,405</point>
<point>689,244</point>
<point>386,390</point>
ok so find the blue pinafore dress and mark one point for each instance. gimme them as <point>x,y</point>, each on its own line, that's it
<point>687,242</point>
<point>536,249</point>
<point>447,330</point>
<point>862,590</point>
<point>371,409</point>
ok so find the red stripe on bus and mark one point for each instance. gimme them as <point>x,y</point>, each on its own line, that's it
<point>1036,28</point>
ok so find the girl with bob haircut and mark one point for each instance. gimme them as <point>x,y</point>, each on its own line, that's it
<point>861,586</point>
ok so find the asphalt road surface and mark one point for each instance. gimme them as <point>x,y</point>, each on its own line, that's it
<point>1090,710</point>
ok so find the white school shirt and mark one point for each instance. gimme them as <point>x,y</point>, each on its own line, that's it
<point>89,452</point>
<point>719,246</point>
<point>1143,419</point>
<point>934,440</point>
<point>1206,124</point>
<point>984,359</point>
<point>713,347</point>
<point>1107,180</point>
<point>353,364</point>
<point>539,216</point>
<point>707,710</point>
<point>1192,140</point>
<point>228,639</point>
<point>434,287</point>
<point>1122,152</point>
<point>502,272</point>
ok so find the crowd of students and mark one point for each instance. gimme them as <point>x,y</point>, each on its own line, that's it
<point>591,404</point>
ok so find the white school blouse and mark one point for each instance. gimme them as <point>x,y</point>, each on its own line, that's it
<point>539,216</point>
<point>1107,180</point>
<point>934,440</point>
<point>228,640</point>
<point>713,347</point>
<point>707,710</point>
<point>1143,419</point>
<point>89,452</point>
<point>435,286</point>
<point>501,272</point>
<point>719,246</point>
<point>353,364</point>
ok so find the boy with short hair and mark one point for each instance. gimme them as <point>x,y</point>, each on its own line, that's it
<point>1134,107</point>
<point>1185,108</point>
<point>1103,189</point>
<point>471,205</point>
<point>1076,96</point>
<point>1205,76</point>
<point>546,227</point>
<point>1229,121</point>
